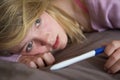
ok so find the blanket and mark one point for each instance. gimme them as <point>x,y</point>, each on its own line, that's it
<point>89,69</point>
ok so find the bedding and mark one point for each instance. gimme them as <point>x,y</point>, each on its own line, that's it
<point>90,69</point>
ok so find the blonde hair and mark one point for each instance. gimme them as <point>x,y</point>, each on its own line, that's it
<point>69,24</point>
<point>17,16</point>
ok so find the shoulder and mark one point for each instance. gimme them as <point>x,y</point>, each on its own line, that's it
<point>101,4</point>
<point>102,8</point>
<point>103,13</point>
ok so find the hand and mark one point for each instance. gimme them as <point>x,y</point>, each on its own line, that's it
<point>113,52</point>
<point>38,61</point>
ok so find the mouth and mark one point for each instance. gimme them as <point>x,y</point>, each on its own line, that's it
<point>56,43</point>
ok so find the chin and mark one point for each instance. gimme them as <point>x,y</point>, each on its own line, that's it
<point>63,46</point>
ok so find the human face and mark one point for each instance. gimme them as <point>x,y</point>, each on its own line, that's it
<point>45,35</point>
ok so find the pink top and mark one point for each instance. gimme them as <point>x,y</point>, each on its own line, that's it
<point>104,14</point>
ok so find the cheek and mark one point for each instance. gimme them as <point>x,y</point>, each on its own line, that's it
<point>50,29</point>
<point>50,25</point>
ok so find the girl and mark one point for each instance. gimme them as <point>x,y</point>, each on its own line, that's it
<point>42,26</point>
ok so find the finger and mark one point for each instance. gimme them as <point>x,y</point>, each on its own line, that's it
<point>32,64</point>
<point>110,48</point>
<point>40,62</point>
<point>115,68</point>
<point>25,60</point>
<point>48,58</point>
<point>31,61</point>
<point>113,59</point>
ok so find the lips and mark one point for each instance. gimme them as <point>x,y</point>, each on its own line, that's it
<point>56,43</point>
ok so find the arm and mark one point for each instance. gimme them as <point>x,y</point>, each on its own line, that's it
<point>37,61</point>
<point>111,21</point>
<point>105,14</point>
<point>12,58</point>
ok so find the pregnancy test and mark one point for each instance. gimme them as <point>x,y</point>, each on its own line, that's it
<point>78,58</point>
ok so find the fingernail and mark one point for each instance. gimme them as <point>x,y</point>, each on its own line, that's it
<point>39,60</point>
<point>32,64</point>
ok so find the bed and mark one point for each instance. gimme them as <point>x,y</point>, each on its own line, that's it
<point>90,69</point>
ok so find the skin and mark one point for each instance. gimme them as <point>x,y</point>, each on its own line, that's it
<point>45,36</point>
<point>112,50</point>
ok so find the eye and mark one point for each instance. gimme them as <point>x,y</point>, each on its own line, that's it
<point>37,22</point>
<point>29,46</point>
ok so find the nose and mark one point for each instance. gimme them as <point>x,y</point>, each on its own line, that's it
<point>45,39</point>
<point>43,43</point>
